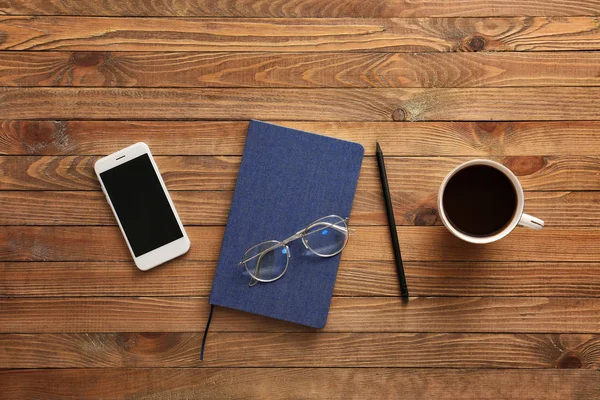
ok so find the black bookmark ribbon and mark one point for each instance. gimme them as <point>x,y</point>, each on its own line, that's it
<point>212,307</point>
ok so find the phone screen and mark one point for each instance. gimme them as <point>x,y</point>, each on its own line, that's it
<point>141,205</point>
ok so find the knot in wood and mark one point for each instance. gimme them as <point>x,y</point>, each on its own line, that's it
<point>426,216</point>
<point>88,58</point>
<point>476,43</point>
<point>524,165</point>
<point>399,114</point>
<point>570,361</point>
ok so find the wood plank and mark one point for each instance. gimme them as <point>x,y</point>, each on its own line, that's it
<point>296,34</point>
<point>565,138</point>
<point>406,174</point>
<point>343,70</point>
<point>299,383</point>
<point>367,243</point>
<point>302,8</point>
<point>355,278</point>
<point>561,209</point>
<point>177,350</point>
<point>547,279</point>
<point>77,172</point>
<point>454,104</point>
<point>347,314</point>
<point>91,208</point>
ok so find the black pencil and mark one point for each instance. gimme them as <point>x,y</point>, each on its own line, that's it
<point>392,224</point>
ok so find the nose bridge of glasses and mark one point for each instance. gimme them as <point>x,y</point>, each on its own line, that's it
<point>295,236</point>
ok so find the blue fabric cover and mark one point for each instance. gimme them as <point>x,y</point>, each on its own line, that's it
<point>287,179</point>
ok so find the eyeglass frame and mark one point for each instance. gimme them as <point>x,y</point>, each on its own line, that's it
<point>300,234</point>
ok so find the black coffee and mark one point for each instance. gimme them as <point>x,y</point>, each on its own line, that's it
<point>479,200</point>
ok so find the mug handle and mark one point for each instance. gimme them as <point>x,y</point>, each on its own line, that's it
<point>531,222</point>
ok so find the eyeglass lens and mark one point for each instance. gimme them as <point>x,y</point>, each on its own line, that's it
<point>326,236</point>
<point>269,265</point>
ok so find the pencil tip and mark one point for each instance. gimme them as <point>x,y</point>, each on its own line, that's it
<point>377,144</point>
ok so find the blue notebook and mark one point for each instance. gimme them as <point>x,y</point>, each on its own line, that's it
<point>287,179</point>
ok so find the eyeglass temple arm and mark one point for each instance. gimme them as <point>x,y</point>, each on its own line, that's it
<point>252,280</point>
<point>327,225</point>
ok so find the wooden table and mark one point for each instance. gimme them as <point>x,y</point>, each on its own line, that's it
<point>436,82</point>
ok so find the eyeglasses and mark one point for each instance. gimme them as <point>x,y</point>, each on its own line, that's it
<point>268,261</point>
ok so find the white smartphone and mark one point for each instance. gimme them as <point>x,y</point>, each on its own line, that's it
<point>142,206</point>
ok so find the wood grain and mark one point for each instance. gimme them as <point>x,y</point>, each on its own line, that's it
<point>297,70</point>
<point>564,138</point>
<point>296,34</point>
<point>299,383</point>
<point>368,243</point>
<point>355,278</point>
<point>91,208</point>
<point>405,174</point>
<point>177,350</point>
<point>347,314</point>
<point>547,279</point>
<point>472,104</point>
<point>560,209</point>
<point>302,8</point>
<point>436,82</point>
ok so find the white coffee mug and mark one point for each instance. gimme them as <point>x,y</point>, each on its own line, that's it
<point>519,217</point>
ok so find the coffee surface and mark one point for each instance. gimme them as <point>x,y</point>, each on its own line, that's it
<point>479,200</point>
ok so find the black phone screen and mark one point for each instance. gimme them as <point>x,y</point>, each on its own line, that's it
<point>141,205</point>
